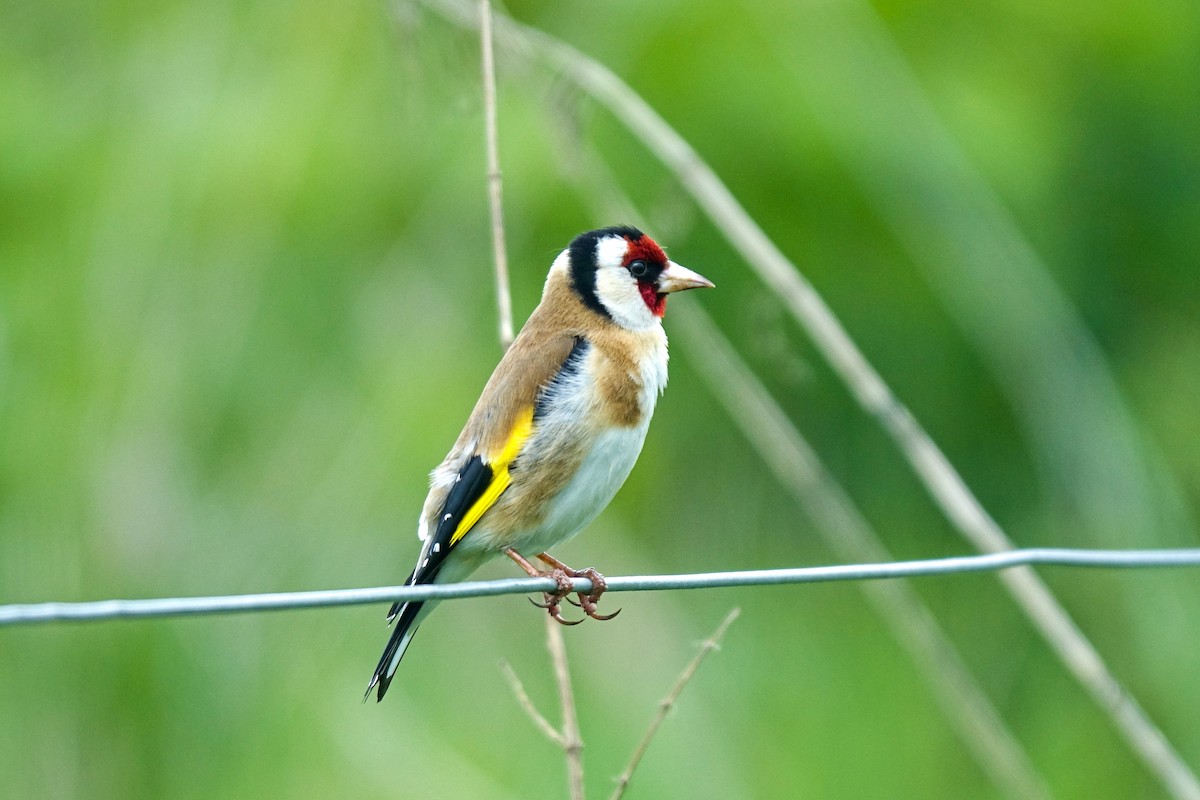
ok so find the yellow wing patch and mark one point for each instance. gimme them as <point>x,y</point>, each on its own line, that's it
<point>500,476</point>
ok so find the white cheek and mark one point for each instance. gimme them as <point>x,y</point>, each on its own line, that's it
<point>617,290</point>
<point>610,251</point>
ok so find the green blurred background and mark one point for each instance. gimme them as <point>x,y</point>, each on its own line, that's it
<point>246,302</point>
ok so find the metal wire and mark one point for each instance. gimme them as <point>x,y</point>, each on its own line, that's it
<point>101,610</point>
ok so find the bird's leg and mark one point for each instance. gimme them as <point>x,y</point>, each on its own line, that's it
<point>586,601</point>
<point>553,599</point>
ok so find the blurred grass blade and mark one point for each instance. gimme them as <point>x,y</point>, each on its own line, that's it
<point>850,536</point>
<point>956,230</point>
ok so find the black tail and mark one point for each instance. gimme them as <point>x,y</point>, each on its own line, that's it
<point>406,617</point>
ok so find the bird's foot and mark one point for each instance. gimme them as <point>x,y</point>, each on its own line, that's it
<point>564,576</point>
<point>587,601</point>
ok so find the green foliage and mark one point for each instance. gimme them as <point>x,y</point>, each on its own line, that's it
<point>246,302</point>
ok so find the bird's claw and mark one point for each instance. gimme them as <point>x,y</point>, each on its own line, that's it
<point>588,601</point>
<point>554,599</point>
<point>552,606</point>
<point>589,608</point>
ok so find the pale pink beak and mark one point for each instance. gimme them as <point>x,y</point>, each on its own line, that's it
<point>677,278</point>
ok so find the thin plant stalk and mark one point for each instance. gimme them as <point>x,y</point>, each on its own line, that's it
<point>572,741</point>
<point>543,724</point>
<point>494,179</point>
<point>664,707</point>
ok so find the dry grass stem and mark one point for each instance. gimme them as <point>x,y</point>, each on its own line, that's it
<point>494,180</point>
<point>522,696</point>
<point>572,742</point>
<point>707,646</point>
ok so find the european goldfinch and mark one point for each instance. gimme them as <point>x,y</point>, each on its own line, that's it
<point>557,429</point>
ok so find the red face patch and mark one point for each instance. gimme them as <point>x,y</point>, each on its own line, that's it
<point>657,303</point>
<point>646,249</point>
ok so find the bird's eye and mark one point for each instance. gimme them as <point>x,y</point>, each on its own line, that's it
<point>639,268</point>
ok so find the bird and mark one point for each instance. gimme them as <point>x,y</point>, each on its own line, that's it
<point>557,429</point>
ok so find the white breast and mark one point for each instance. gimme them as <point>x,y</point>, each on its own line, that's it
<point>609,456</point>
<point>602,473</point>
